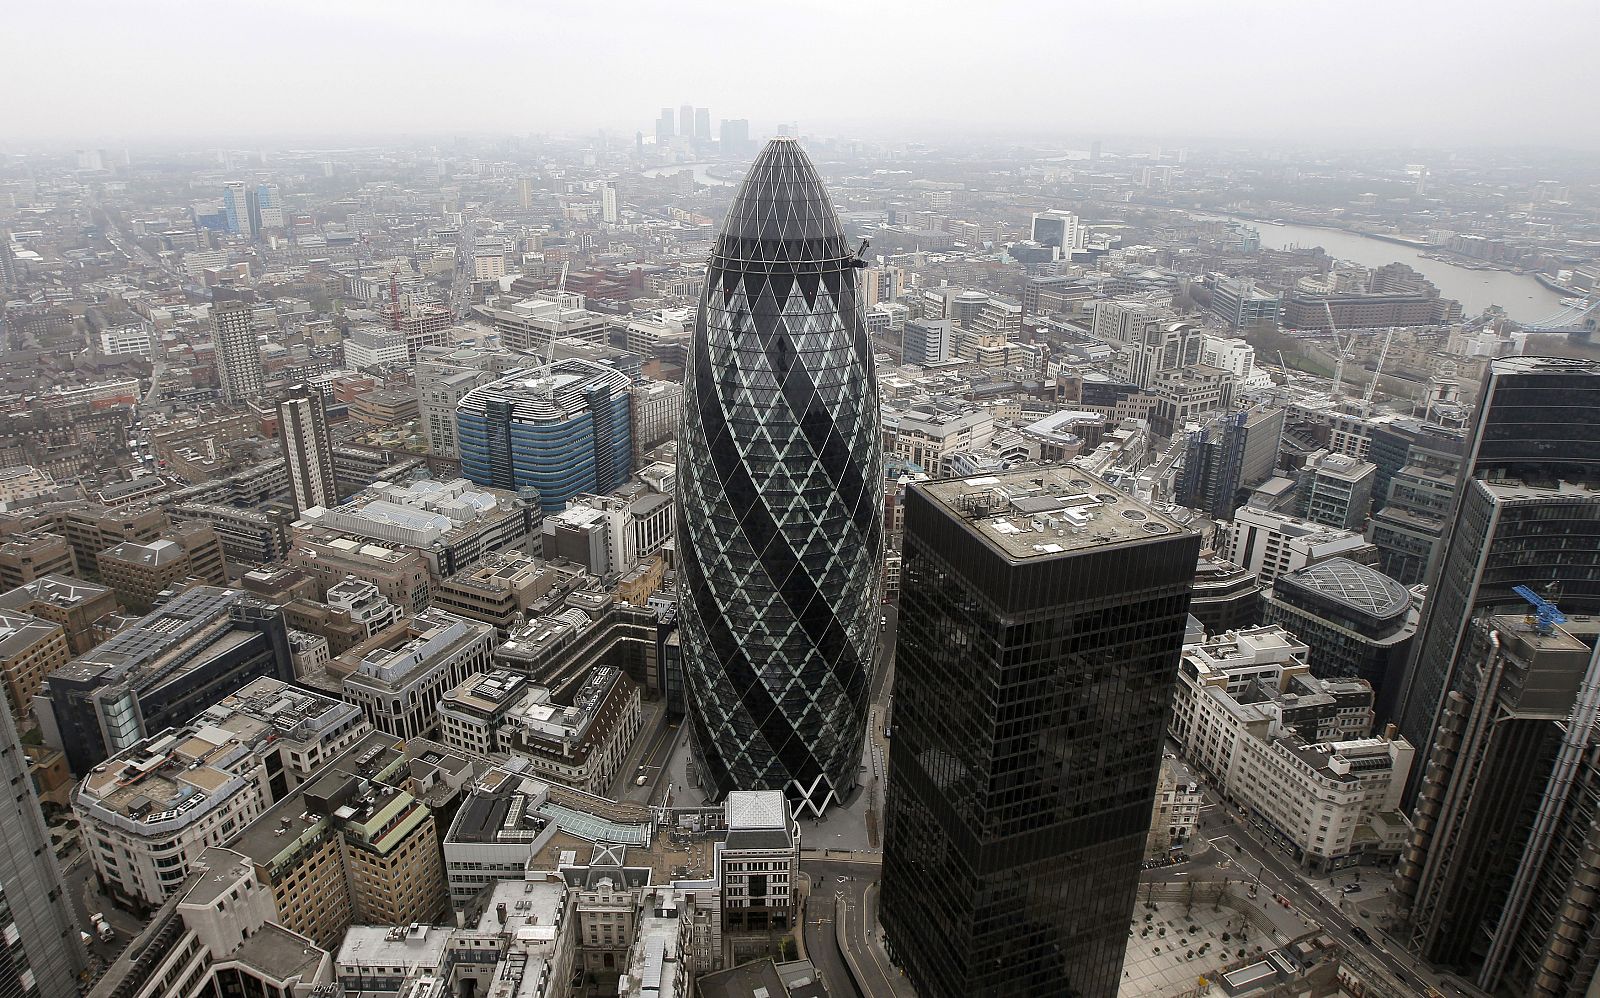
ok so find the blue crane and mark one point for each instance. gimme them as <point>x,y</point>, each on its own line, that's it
<point>1547,613</point>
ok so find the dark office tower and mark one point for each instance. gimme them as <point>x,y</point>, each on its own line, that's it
<point>307,449</point>
<point>702,124</point>
<point>780,497</point>
<point>1041,621</point>
<point>1227,459</point>
<point>686,121</point>
<point>43,953</point>
<point>664,125</point>
<point>1527,512</point>
<point>1498,881</point>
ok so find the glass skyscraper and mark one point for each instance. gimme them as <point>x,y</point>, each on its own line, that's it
<point>780,497</point>
<point>562,429</point>
<point>1526,512</point>
<point>1041,622</point>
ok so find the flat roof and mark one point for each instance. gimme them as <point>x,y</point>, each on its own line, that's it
<point>1045,511</point>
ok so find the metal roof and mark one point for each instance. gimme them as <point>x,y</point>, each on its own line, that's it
<point>1357,586</point>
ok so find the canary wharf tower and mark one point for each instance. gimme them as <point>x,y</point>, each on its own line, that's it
<point>780,497</point>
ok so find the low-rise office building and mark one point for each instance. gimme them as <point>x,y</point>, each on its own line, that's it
<point>139,572</point>
<point>83,609</point>
<point>1270,543</point>
<point>401,574</point>
<point>499,590</point>
<point>1291,750</point>
<point>580,740</point>
<point>400,675</point>
<point>1357,622</point>
<point>351,845</point>
<point>30,649</point>
<point>29,555</point>
<point>147,813</point>
<point>218,935</point>
<point>451,525</point>
<point>160,671</point>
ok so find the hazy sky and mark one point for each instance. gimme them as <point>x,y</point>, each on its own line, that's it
<point>1467,72</point>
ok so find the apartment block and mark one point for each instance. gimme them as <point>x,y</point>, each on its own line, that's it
<point>29,555</point>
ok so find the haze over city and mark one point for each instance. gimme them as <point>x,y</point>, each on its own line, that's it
<point>1473,73</point>
<point>778,500</point>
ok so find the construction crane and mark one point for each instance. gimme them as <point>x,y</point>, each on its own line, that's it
<point>555,334</point>
<point>1545,615</point>
<point>1377,371</point>
<point>1338,348</point>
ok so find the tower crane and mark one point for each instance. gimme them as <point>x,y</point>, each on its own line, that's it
<point>1377,370</point>
<point>1338,348</point>
<point>555,334</point>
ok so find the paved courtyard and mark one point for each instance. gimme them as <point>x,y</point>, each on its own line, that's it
<point>1170,949</point>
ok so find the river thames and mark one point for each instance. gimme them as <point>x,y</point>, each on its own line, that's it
<point>1524,299</point>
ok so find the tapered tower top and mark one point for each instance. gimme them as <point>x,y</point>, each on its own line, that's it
<point>782,213</point>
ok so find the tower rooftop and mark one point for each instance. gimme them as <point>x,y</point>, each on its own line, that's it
<point>1040,512</point>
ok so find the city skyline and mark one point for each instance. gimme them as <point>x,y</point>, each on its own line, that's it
<point>634,556</point>
<point>1305,57</point>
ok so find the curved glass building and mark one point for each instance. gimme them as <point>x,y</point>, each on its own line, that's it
<point>561,429</point>
<point>1357,622</point>
<point>780,497</point>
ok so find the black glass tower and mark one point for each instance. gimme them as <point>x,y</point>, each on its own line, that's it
<point>1041,623</point>
<point>780,497</point>
<point>1526,512</point>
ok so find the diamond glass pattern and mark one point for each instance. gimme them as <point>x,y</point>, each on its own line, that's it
<point>780,505</point>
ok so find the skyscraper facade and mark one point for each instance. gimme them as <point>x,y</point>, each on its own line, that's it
<point>1041,622</point>
<point>1226,459</point>
<point>780,505</point>
<point>561,429</point>
<point>1499,877</point>
<point>43,954</point>
<point>664,126</point>
<point>702,124</point>
<point>236,208</point>
<point>238,352</point>
<point>307,449</point>
<point>734,137</point>
<point>1526,512</point>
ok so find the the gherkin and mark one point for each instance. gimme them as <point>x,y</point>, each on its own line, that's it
<point>780,496</point>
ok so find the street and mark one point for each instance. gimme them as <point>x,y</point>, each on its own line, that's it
<point>1249,858</point>
<point>831,899</point>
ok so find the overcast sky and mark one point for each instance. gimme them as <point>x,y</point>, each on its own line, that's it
<point>1468,72</point>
